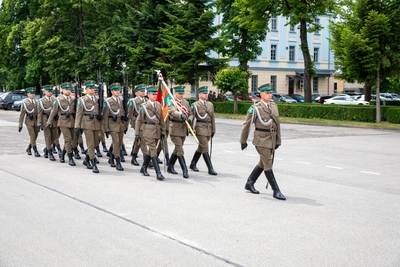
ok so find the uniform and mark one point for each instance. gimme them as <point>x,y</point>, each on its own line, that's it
<point>102,138</point>
<point>204,125</point>
<point>267,138</point>
<point>29,113</point>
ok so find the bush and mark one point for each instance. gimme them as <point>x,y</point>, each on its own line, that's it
<point>393,115</point>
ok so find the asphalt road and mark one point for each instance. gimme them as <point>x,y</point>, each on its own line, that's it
<point>342,209</point>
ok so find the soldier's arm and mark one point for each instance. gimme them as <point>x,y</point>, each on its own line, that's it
<point>214,129</point>
<point>40,113</point>
<point>22,115</point>
<point>106,113</point>
<point>53,112</point>
<point>139,121</point>
<point>173,112</point>
<point>79,114</point>
<point>246,126</point>
<point>278,131</point>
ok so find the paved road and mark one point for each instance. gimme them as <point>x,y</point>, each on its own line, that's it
<point>343,201</point>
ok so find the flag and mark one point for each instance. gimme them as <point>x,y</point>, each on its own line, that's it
<point>164,98</point>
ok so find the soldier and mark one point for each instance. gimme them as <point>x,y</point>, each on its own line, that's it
<point>45,104</point>
<point>150,127</point>
<point>114,124</point>
<point>64,107</point>
<point>204,125</point>
<point>102,138</point>
<point>178,129</point>
<point>80,139</point>
<point>75,139</point>
<point>267,138</point>
<point>88,119</point>
<point>29,112</point>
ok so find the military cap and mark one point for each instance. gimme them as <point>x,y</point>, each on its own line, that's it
<point>73,89</point>
<point>115,86</point>
<point>48,87</point>
<point>179,89</point>
<point>202,89</point>
<point>140,87</point>
<point>151,89</point>
<point>90,83</point>
<point>31,90</point>
<point>265,88</point>
<point>66,86</point>
<point>96,89</point>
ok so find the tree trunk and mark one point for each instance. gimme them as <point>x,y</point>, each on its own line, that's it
<point>307,61</point>
<point>235,106</point>
<point>243,63</point>
<point>367,96</point>
<point>378,99</point>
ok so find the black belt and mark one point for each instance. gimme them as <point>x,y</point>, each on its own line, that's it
<point>176,121</point>
<point>149,122</point>
<point>112,117</point>
<point>265,130</point>
<point>203,121</point>
<point>46,114</point>
<point>66,114</point>
<point>87,114</point>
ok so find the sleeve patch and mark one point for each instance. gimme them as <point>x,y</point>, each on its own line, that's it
<point>192,106</point>
<point>79,102</point>
<point>104,105</point>
<point>141,108</point>
<point>54,102</point>
<point>250,110</point>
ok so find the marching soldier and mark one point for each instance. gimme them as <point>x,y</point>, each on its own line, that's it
<point>102,138</point>
<point>64,107</point>
<point>114,124</point>
<point>267,138</point>
<point>150,128</point>
<point>88,119</point>
<point>45,104</point>
<point>178,129</point>
<point>56,143</point>
<point>29,112</point>
<point>75,139</point>
<point>204,125</point>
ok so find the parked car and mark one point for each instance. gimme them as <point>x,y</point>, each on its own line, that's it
<point>321,99</point>
<point>344,100</point>
<point>283,98</point>
<point>228,97</point>
<point>297,97</point>
<point>8,98</point>
<point>314,96</point>
<point>252,97</point>
<point>17,104</point>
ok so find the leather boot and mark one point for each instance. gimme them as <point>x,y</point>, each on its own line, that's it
<point>86,162</point>
<point>271,179</point>
<point>119,166</point>
<point>83,151</point>
<point>207,159</point>
<point>195,159</point>
<point>121,155</point>
<point>111,161</point>
<point>146,160</point>
<point>46,153</point>
<point>171,164</point>
<point>59,149</point>
<point>96,160</point>
<point>94,166</point>
<point>252,179</point>
<point>124,150</point>
<point>104,146</point>
<point>36,152</point>
<point>29,150</point>
<point>133,160</point>
<point>61,154</point>
<point>51,156</point>
<point>167,159</point>
<point>76,153</point>
<point>98,153</point>
<point>157,169</point>
<point>183,166</point>
<point>54,149</point>
<point>109,152</point>
<point>71,159</point>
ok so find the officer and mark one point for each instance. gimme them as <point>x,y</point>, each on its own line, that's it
<point>267,138</point>
<point>29,112</point>
<point>204,125</point>
<point>114,124</point>
<point>56,143</point>
<point>178,129</point>
<point>89,119</point>
<point>102,138</point>
<point>80,139</point>
<point>150,128</point>
<point>75,139</point>
<point>64,107</point>
<point>45,104</point>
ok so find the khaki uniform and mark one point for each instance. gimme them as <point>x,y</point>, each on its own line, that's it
<point>204,123</point>
<point>113,110</point>
<point>45,105</point>
<point>133,112</point>
<point>29,113</point>
<point>177,127</point>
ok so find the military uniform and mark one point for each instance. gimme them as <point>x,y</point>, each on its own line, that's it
<point>102,138</point>
<point>204,125</point>
<point>29,113</point>
<point>267,138</point>
<point>150,127</point>
<point>56,143</point>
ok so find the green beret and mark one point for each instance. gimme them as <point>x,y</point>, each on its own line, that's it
<point>151,89</point>
<point>73,89</point>
<point>48,87</point>
<point>96,89</point>
<point>202,89</point>
<point>66,86</point>
<point>115,86</point>
<point>265,88</point>
<point>31,90</point>
<point>140,87</point>
<point>90,83</point>
<point>179,89</point>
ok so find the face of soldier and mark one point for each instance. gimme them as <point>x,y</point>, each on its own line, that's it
<point>266,96</point>
<point>90,91</point>
<point>48,93</point>
<point>178,96</point>
<point>140,93</point>
<point>152,96</point>
<point>203,96</point>
<point>115,93</point>
<point>72,94</point>
<point>31,95</point>
<point>66,92</point>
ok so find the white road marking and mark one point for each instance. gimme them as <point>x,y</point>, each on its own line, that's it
<point>334,167</point>
<point>302,162</point>
<point>228,151</point>
<point>375,173</point>
<point>252,155</point>
<point>278,159</point>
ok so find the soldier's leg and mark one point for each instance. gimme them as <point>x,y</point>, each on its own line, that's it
<point>203,146</point>
<point>207,158</point>
<point>120,139</point>
<point>135,150</point>
<point>33,133</point>
<point>75,145</point>
<point>174,156</point>
<point>151,143</point>
<point>80,143</point>
<point>90,142</point>
<point>51,136</point>
<point>47,140</point>
<point>97,144</point>
<point>146,156</point>
<point>68,134</point>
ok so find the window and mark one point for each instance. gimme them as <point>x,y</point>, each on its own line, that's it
<point>291,28</point>
<point>316,23</point>
<point>315,85</point>
<point>254,83</point>
<point>273,23</point>
<point>291,53</point>
<point>335,87</point>
<point>316,50</point>
<point>273,83</point>
<point>273,52</point>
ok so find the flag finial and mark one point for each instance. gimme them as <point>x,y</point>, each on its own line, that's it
<point>160,77</point>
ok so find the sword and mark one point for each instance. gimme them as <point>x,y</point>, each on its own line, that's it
<point>165,158</point>
<point>211,148</point>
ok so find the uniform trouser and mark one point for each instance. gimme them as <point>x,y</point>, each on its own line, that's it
<point>57,136</point>
<point>117,138</point>
<point>92,139</point>
<point>68,134</point>
<point>80,139</point>
<point>74,140</point>
<point>178,142</point>
<point>203,143</point>
<point>33,134</point>
<point>163,144</point>
<point>101,135</point>
<point>49,136</point>
<point>266,158</point>
<point>151,144</point>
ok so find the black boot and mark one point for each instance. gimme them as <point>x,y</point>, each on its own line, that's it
<point>252,179</point>
<point>157,169</point>
<point>94,166</point>
<point>271,179</point>
<point>54,149</point>
<point>109,152</point>
<point>146,160</point>
<point>61,154</point>
<point>76,153</point>
<point>28,150</point>
<point>195,159</point>
<point>111,161</point>
<point>83,151</point>
<point>71,159</point>
<point>98,153</point>
<point>36,152</point>
<point>207,159</point>
<point>96,160</point>
<point>133,160</point>
<point>59,149</point>
<point>171,164</point>
<point>51,156</point>
<point>104,146</point>
<point>86,162</point>
<point>167,158</point>
<point>124,150</point>
<point>46,153</point>
<point>183,166</point>
<point>121,155</point>
<point>119,166</point>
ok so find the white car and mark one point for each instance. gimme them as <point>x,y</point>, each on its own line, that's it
<point>345,100</point>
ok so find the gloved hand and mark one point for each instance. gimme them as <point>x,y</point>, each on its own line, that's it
<point>19,129</point>
<point>137,138</point>
<point>162,136</point>
<point>124,118</point>
<point>99,117</point>
<point>77,131</point>
<point>184,117</point>
<point>125,130</point>
<point>243,146</point>
<point>212,135</point>
<point>276,146</point>
<point>47,126</point>
<point>107,134</point>
<point>81,130</point>
<point>39,127</point>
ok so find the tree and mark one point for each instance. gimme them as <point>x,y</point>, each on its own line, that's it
<point>232,80</point>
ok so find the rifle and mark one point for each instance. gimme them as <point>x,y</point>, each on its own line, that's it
<point>101,94</point>
<point>125,95</point>
<point>40,90</point>
<point>76,92</point>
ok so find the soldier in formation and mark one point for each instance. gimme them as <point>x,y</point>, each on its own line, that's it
<point>29,113</point>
